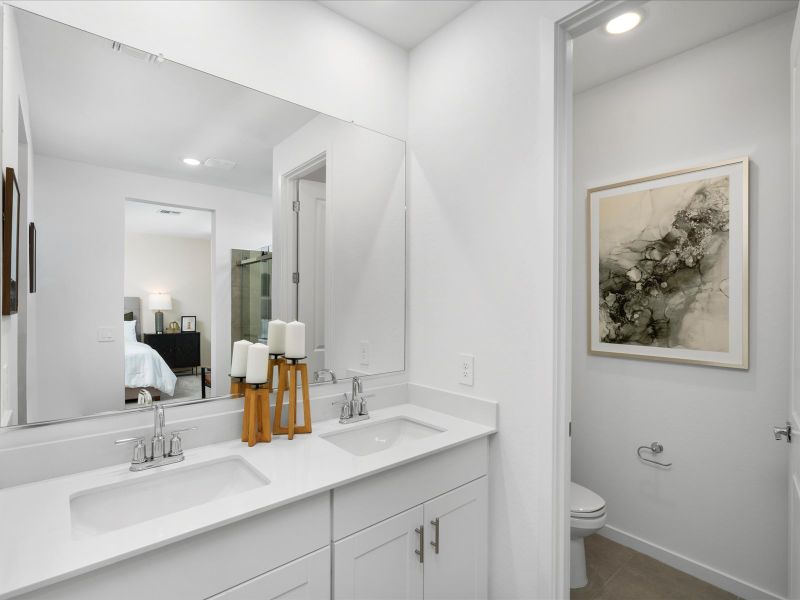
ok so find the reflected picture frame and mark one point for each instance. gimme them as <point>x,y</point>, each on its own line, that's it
<point>668,266</point>
<point>188,323</point>
<point>11,209</point>
<point>32,257</point>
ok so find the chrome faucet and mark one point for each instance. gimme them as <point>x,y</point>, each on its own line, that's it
<point>158,454</point>
<point>354,408</point>
<point>318,375</point>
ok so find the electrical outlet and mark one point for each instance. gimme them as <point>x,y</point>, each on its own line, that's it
<point>105,334</point>
<point>466,369</point>
<point>364,359</point>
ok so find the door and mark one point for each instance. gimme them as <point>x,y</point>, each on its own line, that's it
<point>794,404</point>
<point>381,562</point>
<point>456,567</point>
<point>307,578</point>
<point>310,265</point>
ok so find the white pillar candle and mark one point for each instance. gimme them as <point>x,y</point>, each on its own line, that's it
<point>257,358</point>
<point>239,358</point>
<point>295,340</point>
<point>276,336</point>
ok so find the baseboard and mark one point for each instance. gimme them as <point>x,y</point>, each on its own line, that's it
<point>687,565</point>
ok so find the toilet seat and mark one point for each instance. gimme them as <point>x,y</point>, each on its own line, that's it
<point>584,503</point>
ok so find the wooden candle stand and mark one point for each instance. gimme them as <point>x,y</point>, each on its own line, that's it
<point>255,421</point>
<point>287,377</point>
<point>238,386</point>
<point>238,389</point>
<point>275,362</point>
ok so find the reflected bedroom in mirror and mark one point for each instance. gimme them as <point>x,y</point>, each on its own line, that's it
<point>177,213</point>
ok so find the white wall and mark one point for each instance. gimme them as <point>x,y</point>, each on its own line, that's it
<point>81,246</point>
<point>15,101</point>
<point>481,242</point>
<point>724,503</point>
<point>179,265</point>
<point>365,245</point>
<point>298,50</point>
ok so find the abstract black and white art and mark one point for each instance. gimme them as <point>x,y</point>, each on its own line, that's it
<point>668,266</point>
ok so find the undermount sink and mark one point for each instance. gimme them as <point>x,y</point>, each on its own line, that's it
<point>103,509</point>
<point>376,437</point>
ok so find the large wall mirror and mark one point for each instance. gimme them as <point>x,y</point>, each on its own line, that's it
<point>175,213</point>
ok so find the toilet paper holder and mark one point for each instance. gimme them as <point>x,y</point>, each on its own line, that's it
<point>655,448</point>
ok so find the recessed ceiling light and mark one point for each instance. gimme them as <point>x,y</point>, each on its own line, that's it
<point>624,22</point>
<point>192,162</point>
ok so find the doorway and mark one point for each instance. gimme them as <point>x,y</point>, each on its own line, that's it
<point>616,405</point>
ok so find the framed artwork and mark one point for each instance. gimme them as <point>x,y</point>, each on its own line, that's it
<point>11,202</point>
<point>189,323</point>
<point>668,266</point>
<point>32,257</point>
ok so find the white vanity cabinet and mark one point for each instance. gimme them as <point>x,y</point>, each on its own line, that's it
<point>459,569</point>
<point>380,562</point>
<point>398,558</point>
<point>360,540</point>
<point>218,561</point>
<point>307,578</point>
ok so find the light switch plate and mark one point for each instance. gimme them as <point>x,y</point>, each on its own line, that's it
<point>466,369</point>
<point>105,334</point>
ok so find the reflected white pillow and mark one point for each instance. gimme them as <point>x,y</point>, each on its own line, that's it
<point>130,331</point>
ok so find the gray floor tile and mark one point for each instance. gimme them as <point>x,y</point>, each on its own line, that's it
<point>619,573</point>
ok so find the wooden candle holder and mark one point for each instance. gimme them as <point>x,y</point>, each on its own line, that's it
<point>287,378</point>
<point>256,415</point>
<point>275,362</point>
<point>238,389</point>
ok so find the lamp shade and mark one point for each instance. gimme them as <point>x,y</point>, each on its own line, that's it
<point>160,302</point>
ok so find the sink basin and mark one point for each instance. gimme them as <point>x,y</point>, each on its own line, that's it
<point>376,437</point>
<point>103,509</point>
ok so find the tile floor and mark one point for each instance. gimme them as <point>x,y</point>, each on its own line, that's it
<point>618,573</point>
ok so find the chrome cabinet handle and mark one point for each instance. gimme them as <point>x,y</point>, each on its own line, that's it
<point>435,541</point>
<point>421,552</point>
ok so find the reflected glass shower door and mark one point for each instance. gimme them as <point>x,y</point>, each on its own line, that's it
<point>251,294</point>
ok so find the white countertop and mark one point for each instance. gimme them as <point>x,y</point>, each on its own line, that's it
<point>37,547</point>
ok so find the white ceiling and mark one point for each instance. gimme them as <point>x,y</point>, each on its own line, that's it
<point>404,22</point>
<point>145,217</point>
<point>91,104</point>
<point>667,29</point>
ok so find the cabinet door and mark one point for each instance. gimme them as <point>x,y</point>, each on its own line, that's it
<point>380,563</point>
<point>307,578</point>
<point>459,570</point>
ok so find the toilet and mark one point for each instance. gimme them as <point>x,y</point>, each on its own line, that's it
<point>587,516</point>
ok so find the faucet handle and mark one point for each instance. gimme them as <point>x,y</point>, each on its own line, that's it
<point>139,454</point>
<point>362,403</point>
<point>175,444</point>
<point>347,408</point>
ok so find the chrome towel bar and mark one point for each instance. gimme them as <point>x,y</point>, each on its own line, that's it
<point>655,448</point>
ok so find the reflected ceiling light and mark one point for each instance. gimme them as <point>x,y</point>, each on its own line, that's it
<point>192,162</point>
<point>624,22</point>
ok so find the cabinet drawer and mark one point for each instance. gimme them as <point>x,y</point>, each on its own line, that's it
<point>307,578</point>
<point>381,496</point>
<point>209,563</point>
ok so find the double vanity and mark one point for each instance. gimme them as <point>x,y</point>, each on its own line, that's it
<point>395,503</point>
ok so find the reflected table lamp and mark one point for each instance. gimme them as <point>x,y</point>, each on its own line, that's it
<point>160,302</point>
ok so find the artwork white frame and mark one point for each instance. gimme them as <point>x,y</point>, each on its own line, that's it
<point>737,353</point>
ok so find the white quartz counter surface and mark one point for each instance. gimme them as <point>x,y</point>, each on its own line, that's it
<point>38,547</point>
